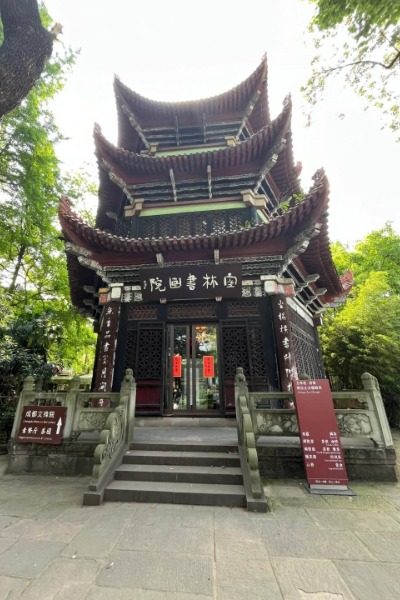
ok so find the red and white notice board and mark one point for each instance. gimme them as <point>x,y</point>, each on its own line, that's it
<point>319,435</point>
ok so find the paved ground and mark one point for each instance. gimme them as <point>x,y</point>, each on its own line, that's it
<point>316,548</point>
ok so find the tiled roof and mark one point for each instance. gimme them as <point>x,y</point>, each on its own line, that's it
<point>133,167</point>
<point>152,113</point>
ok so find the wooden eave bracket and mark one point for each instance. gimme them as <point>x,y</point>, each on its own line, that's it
<point>301,243</point>
<point>275,284</point>
<point>135,124</point>
<point>114,178</point>
<point>135,208</point>
<point>76,250</point>
<point>231,140</point>
<point>248,110</point>
<point>250,198</point>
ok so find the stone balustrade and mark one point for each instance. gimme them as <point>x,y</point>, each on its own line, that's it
<point>97,423</point>
<point>362,422</point>
<point>359,413</point>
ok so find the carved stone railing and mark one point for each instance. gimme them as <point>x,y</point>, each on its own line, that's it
<point>118,428</point>
<point>87,412</point>
<point>359,413</point>
<point>247,446</point>
<point>104,419</point>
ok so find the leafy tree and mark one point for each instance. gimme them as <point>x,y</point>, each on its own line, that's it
<point>24,350</point>
<point>359,42</point>
<point>364,334</point>
<point>33,276</point>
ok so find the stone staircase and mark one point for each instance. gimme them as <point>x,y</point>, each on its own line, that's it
<point>186,472</point>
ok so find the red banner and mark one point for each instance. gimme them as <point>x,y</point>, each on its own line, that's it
<point>42,425</point>
<point>319,434</point>
<point>177,365</point>
<point>208,366</point>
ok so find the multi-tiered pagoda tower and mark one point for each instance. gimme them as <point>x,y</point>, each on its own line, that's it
<point>206,255</point>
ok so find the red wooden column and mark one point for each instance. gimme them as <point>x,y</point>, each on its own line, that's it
<point>109,324</point>
<point>280,289</point>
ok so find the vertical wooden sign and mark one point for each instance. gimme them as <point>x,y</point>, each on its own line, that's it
<point>285,354</point>
<point>107,345</point>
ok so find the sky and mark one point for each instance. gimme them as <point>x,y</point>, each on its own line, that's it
<point>183,50</point>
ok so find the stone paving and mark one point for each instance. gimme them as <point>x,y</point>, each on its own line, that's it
<point>308,547</point>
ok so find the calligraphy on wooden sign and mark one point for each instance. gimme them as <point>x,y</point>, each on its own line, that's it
<point>106,350</point>
<point>196,281</point>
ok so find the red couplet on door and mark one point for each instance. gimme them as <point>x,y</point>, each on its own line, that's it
<point>208,366</point>
<point>177,365</point>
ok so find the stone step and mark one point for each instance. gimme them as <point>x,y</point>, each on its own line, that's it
<point>183,446</point>
<point>201,422</point>
<point>174,457</point>
<point>179,473</point>
<point>175,493</point>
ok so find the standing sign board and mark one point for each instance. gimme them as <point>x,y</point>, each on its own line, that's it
<point>319,435</point>
<point>42,425</point>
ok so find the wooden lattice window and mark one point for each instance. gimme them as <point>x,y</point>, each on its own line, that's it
<point>130,350</point>
<point>235,349</point>
<point>256,350</point>
<point>150,352</point>
<point>305,346</point>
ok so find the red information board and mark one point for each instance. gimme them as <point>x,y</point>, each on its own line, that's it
<point>177,365</point>
<point>42,425</point>
<point>208,366</point>
<point>319,435</point>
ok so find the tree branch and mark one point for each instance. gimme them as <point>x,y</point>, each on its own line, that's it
<point>374,63</point>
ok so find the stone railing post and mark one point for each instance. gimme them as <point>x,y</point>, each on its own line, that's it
<point>117,433</point>
<point>128,398</point>
<point>371,385</point>
<point>27,396</point>
<point>71,400</point>
<point>247,438</point>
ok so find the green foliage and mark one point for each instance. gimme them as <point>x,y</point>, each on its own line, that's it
<point>365,15</point>
<point>359,41</point>
<point>364,334</point>
<point>24,350</point>
<point>290,202</point>
<point>33,276</point>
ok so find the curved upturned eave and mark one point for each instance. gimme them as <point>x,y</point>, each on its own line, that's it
<point>286,173</point>
<point>79,276</point>
<point>298,218</point>
<point>318,257</point>
<point>150,111</point>
<point>252,150</point>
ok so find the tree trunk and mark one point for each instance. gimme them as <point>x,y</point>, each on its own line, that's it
<point>17,268</point>
<point>26,47</point>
